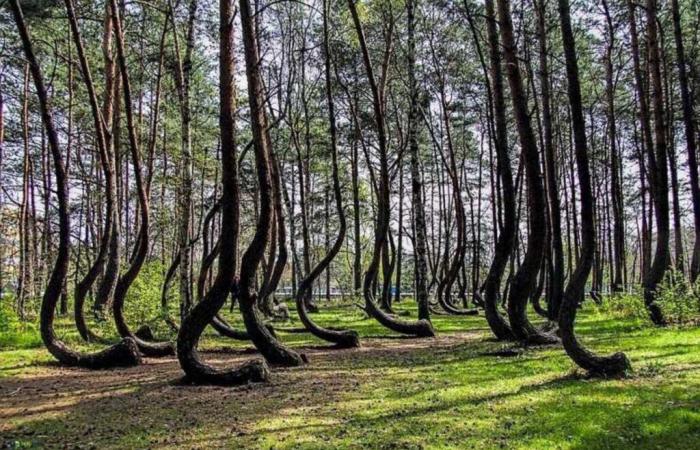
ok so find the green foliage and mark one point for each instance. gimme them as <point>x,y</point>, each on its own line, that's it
<point>142,305</point>
<point>625,306</point>
<point>678,298</point>
<point>15,333</point>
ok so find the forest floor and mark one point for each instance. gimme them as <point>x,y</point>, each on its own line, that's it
<point>447,392</point>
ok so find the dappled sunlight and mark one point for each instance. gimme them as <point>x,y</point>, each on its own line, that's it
<point>445,390</point>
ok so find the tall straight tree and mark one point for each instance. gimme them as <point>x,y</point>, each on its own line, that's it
<point>690,133</point>
<point>617,363</point>
<point>183,74</point>
<point>646,171</point>
<point>658,172</point>
<point>618,206</point>
<point>420,239</point>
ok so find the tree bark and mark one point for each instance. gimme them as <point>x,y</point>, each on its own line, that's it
<point>203,312</point>
<point>155,349</point>
<point>125,353</point>
<point>618,363</point>
<point>690,134</point>
<point>421,266</point>
<point>273,350</point>
<point>421,328</point>
<point>659,169</point>
<point>523,282</point>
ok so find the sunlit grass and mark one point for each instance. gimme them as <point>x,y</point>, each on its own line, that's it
<point>447,395</point>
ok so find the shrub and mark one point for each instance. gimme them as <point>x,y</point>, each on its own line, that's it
<point>678,299</point>
<point>142,305</point>
<point>625,306</point>
<point>15,333</point>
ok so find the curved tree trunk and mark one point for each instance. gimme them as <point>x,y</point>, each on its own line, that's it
<point>556,265</point>
<point>274,351</point>
<point>204,311</point>
<point>109,244</point>
<point>506,239</point>
<point>125,353</point>
<point>523,282</point>
<point>422,327</point>
<point>659,171</point>
<point>342,338</point>
<point>617,363</point>
<point>155,349</point>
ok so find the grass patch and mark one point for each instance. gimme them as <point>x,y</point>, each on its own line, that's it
<point>391,393</point>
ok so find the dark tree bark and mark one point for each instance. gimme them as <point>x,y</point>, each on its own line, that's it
<point>523,282</point>
<point>556,267</point>
<point>421,266</point>
<point>505,243</point>
<point>203,312</point>
<point>125,353</point>
<point>422,327</point>
<point>273,350</point>
<point>618,363</point>
<point>659,170</point>
<point>690,134</point>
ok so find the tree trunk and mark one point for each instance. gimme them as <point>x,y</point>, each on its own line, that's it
<point>157,349</point>
<point>690,134</point>
<point>203,312</point>
<point>524,280</point>
<point>124,353</point>
<point>422,327</point>
<point>273,350</point>
<point>659,169</point>
<point>618,363</point>
<point>421,267</point>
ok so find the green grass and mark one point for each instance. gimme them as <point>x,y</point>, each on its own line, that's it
<point>400,394</point>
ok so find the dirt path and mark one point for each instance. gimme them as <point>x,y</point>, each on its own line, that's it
<point>147,407</point>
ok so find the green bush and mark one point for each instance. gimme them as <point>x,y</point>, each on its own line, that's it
<point>678,299</point>
<point>15,333</point>
<point>625,306</point>
<point>142,305</point>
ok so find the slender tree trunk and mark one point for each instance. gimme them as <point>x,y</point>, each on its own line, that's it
<point>506,239</point>
<point>659,168</point>
<point>421,328</point>
<point>124,353</point>
<point>421,268</point>
<point>525,278</point>
<point>556,267</point>
<point>690,134</point>
<point>342,338</point>
<point>618,363</point>
<point>142,242</point>
<point>273,350</point>
<point>204,311</point>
